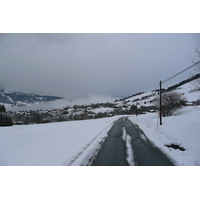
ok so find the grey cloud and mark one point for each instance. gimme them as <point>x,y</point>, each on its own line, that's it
<point>77,65</point>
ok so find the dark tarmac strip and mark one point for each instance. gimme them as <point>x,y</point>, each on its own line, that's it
<point>114,151</point>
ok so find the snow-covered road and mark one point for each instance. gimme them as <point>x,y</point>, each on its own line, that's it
<point>125,143</point>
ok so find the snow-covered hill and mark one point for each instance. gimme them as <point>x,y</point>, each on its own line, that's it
<point>189,90</point>
<point>15,101</point>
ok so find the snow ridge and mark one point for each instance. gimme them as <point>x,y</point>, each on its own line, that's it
<point>129,150</point>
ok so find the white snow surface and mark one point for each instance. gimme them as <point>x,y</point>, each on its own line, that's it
<point>74,142</point>
<point>102,110</point>
<point>54,144</point>
<point>182,129</point>
<point>190,91</point>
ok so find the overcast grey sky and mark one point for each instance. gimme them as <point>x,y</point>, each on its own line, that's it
<point>79,65</point>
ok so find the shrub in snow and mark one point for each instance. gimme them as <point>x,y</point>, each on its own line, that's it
<point>171,102</point>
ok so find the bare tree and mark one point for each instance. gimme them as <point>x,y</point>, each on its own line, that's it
<point>196,59</point>
<point>171,102</point>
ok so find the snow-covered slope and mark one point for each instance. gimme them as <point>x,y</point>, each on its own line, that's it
<point>189,90</point>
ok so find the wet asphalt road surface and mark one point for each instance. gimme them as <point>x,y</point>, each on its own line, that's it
<point>114,150</point>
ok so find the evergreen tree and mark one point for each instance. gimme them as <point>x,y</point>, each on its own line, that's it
<point>2,108</point>
<point>5,119</point>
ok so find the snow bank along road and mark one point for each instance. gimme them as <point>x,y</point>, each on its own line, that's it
<point>126,144</point>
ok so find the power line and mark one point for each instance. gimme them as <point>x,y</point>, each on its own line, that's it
<point>156,87</point>
<point>167,80</point>
<point>181,72</point>
<point>160,84</point>
<point>176,74</point>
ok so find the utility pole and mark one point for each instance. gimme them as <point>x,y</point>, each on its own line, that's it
<point>160,103</point>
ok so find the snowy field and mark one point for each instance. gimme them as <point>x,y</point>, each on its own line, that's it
<point>54,144</point>
<point>74,142</point>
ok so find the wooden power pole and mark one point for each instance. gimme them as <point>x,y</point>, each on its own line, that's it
<point>160,103</point>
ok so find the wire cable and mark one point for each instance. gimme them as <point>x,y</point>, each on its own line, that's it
<point>156,87</point>
<point>181,72</point>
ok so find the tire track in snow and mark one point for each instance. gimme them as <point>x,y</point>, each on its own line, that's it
<point>74,158</point>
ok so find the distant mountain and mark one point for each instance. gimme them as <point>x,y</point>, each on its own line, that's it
<point>23,99</point>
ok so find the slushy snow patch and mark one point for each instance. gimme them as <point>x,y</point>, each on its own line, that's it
<point>129,150</point>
